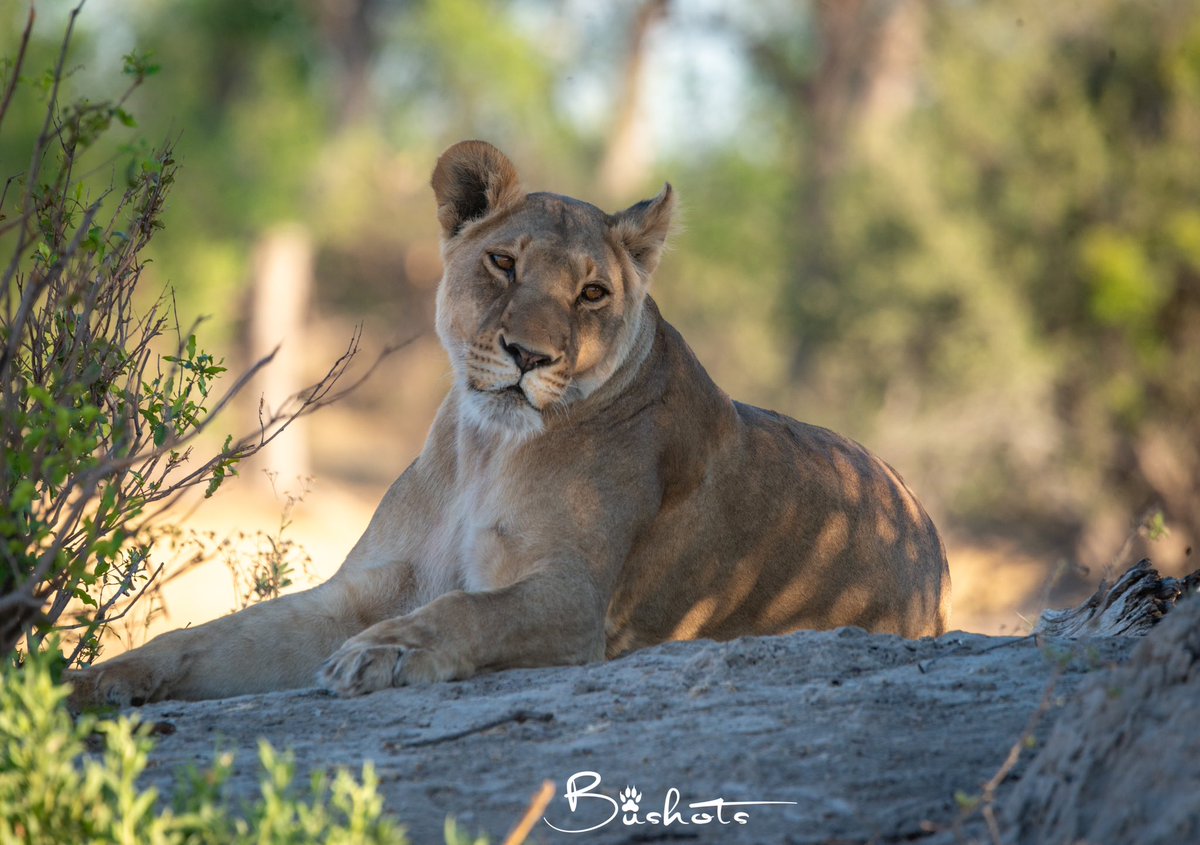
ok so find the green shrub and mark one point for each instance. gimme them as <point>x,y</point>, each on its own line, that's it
<point>54,790</point>
<point>102,394</point>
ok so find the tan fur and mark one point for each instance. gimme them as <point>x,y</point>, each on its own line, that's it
<point>609,499</point>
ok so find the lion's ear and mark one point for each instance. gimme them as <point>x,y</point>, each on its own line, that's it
<point>472,179</point>
<point>643,228</point>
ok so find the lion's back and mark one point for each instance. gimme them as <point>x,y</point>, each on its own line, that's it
<point>774,526</point>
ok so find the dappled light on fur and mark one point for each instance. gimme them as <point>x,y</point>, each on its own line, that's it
<point>695,619</point>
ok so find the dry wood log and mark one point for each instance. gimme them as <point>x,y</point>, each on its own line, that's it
<point>1128,607</point>
<point>1122,762</point>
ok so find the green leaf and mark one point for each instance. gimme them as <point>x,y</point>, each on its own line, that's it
<point>1126,287</point>
<point>91,373</point>
<point>1156,527</point>
<point>139,64</point>
<point>23,494</point>
<point>965,802</point>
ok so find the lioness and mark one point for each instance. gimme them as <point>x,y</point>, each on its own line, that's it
<point>586,490</point>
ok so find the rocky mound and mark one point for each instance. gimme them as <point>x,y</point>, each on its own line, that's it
<point>868,738</point>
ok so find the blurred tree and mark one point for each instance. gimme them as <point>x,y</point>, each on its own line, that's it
<point>316,114</point>
<point>964,232</point>
<point>998,283</point>
<point>626,157</point>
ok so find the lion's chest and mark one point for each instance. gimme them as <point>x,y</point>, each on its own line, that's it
<point>488,557</point>
<point>519,507</point>
<point>491,525</point>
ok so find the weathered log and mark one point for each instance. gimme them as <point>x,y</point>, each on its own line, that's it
<point>1129,607</point>
<point>1122,763</point>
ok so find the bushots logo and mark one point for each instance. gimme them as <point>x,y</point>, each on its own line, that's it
<point>589,808</point>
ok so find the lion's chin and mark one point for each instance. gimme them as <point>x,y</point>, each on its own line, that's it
<point>506,412</point>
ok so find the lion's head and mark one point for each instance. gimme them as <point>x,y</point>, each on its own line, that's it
<point>542,295</point>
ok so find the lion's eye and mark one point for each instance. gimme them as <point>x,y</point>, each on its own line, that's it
<point>504,262</point>
<point>593,293</point>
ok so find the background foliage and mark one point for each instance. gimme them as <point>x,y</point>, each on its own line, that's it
<point>962,232</point>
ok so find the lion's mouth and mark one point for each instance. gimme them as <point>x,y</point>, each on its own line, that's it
<point>512,394</point>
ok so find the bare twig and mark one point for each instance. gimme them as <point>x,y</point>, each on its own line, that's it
<point>519,716</point>
<point>18,62</point>
<point>985,802</point>
<point>537,808</point>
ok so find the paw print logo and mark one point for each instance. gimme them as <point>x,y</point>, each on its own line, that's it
<point>629,800</point>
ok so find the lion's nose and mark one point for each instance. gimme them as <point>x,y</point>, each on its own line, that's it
<point>525,359</point>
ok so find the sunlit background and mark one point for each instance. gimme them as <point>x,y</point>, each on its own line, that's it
<point>964,233</point>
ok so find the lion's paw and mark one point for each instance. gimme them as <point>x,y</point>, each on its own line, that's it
<point>362,666</point>
<point>109,686</point>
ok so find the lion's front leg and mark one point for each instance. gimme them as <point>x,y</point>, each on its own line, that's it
<point>271,646</point>
<point>460,634</point>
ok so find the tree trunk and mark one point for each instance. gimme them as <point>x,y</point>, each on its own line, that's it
<point>627,157</point>
<point>348,28</point>
<point>283,280</point>
<point>865,78</point>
